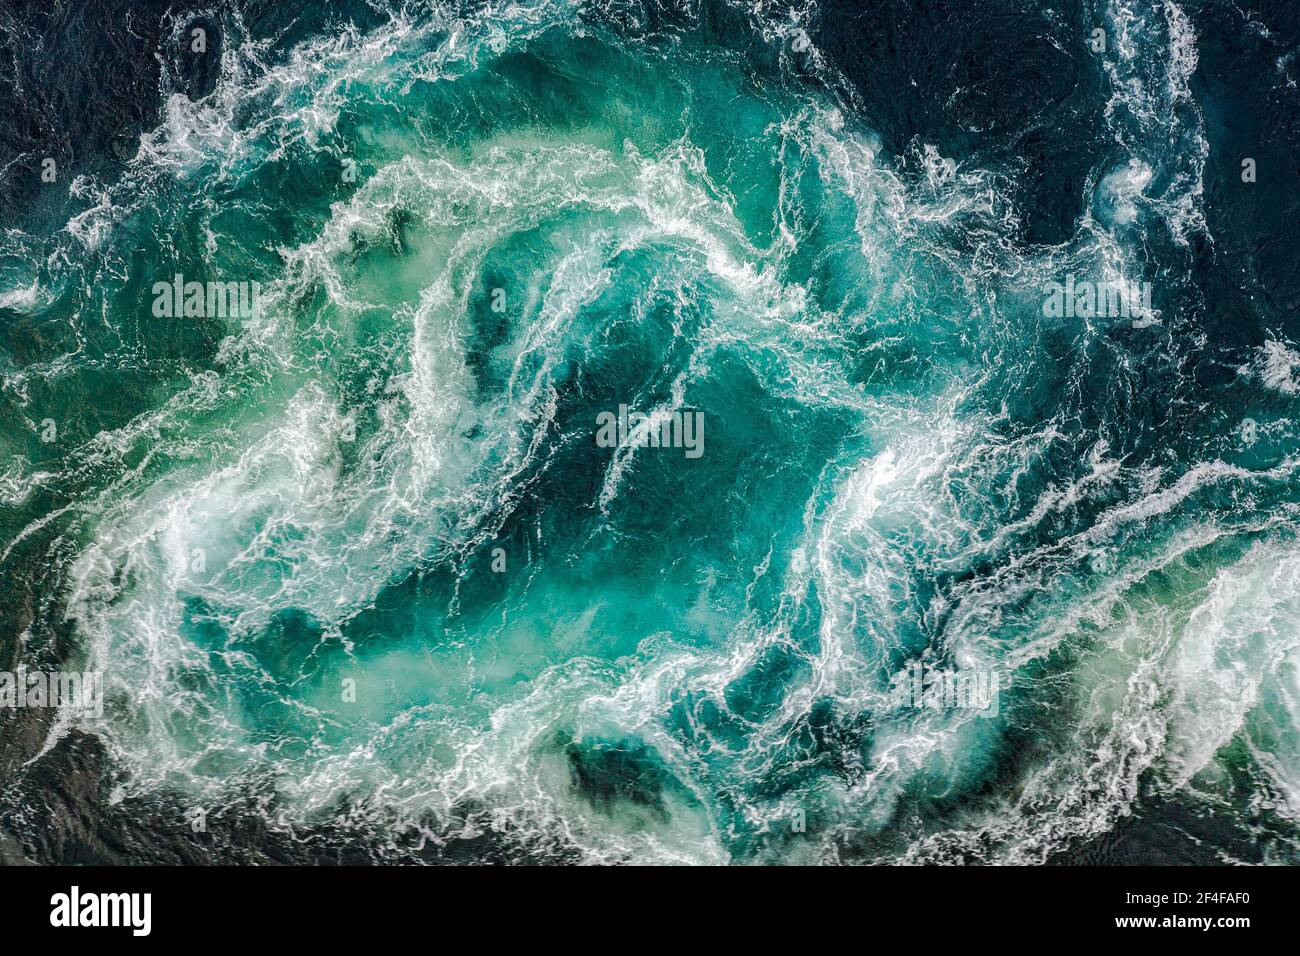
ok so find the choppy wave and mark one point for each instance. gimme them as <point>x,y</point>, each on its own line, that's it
<point>908,461</point>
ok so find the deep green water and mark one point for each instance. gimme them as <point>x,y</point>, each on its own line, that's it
<point>276,535</point>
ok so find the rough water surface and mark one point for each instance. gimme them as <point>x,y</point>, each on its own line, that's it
<point>362,581</point>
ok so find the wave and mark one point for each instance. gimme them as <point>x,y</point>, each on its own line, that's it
<point>284,564</point>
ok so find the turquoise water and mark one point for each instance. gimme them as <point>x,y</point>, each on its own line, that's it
<point>360,550</point>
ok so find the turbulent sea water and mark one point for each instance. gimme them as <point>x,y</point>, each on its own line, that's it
<point>363,584</point>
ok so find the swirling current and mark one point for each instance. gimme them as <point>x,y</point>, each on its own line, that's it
<point>363,580</point>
